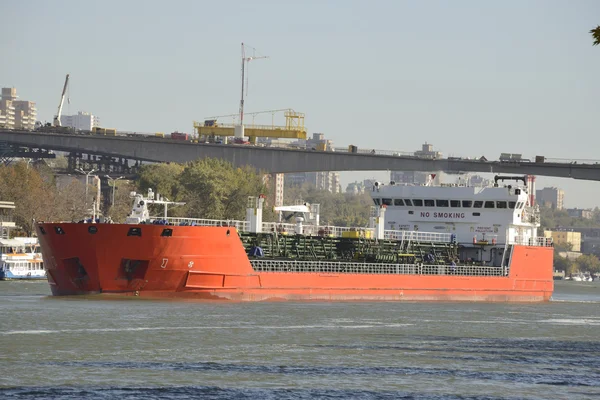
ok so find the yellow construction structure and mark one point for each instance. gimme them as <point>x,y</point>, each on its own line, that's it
<point>96,130</point>
<point>293,129</point>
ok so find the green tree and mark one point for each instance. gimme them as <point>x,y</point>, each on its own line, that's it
<point>58,163</point>
<point>34,197</point>
<point>588,263</point>
<point>551,219</point>
<point>162,179</point>
<point>335,208</point>
<point>560,247</point>
<point>123,201</point>
<point>562,264</point>
<point>213,188</point>
<point>596,35</point>
<point>70,200</point>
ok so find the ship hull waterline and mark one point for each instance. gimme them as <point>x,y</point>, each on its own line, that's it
<point>210,263</point>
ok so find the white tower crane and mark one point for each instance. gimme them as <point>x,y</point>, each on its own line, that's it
<point>56,121</point>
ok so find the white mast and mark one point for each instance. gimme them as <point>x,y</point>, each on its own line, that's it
<point>245,60</point>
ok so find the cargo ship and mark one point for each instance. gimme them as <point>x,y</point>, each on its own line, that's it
<point>423,243</point>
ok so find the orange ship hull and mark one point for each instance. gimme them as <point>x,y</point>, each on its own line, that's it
<point>202,262</point>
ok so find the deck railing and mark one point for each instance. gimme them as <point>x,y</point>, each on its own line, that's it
<point>282,228</point>
<point>343,267</point>
<point>322,230</point>
<point>239,225</point>
<point>537,242</point>
<point>419,236</point>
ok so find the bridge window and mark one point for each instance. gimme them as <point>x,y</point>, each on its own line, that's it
<point>501,204</point>
<point>377,202</point>
<point>489,204</point>
<point>478,204</point>
<point>454,203</point>
<point>512,204</point>
<point>429,203</point>
<point>386,202</point>
<point>407,202</point>
<point>398,202</point>
<point>441,203</point>
<point>467,203</point>
<point>418,203</point>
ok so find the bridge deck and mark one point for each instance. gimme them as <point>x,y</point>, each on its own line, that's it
<point>281,160</point>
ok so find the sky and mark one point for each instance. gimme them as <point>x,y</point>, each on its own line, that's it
<point>471,77</point>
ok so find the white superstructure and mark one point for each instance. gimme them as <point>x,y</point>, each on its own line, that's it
<point>140,212</point>
<point>500,214</point>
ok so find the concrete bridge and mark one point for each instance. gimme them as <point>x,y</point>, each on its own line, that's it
<point>278,160</point>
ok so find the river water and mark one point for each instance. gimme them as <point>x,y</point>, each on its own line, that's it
<point>90,347</point>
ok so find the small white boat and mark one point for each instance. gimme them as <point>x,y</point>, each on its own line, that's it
<point>20,258</point>
<point>580,277</point>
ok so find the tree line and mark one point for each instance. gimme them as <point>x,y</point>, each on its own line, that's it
<point>339,209</point>
<point>583,263</point>
<point>552,219</point>
<point>41,195</point>
<point>210,188</point>
<point>32,187</point>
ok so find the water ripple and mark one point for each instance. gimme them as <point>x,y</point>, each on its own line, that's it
<point>217,393</point>
<point>558,378</point>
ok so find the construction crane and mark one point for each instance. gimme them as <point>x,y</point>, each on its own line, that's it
<point>211,130</point>
<point>56,121</point>
<point>246,60</point>
<point>234,117</point>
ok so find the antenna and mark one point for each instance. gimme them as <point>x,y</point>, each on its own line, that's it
<point>246,60</point>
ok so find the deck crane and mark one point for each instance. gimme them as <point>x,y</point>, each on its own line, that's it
<point>246,60</point>
<point>56,121</point>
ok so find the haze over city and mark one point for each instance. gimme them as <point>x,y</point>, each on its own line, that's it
<point>473,78</point>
